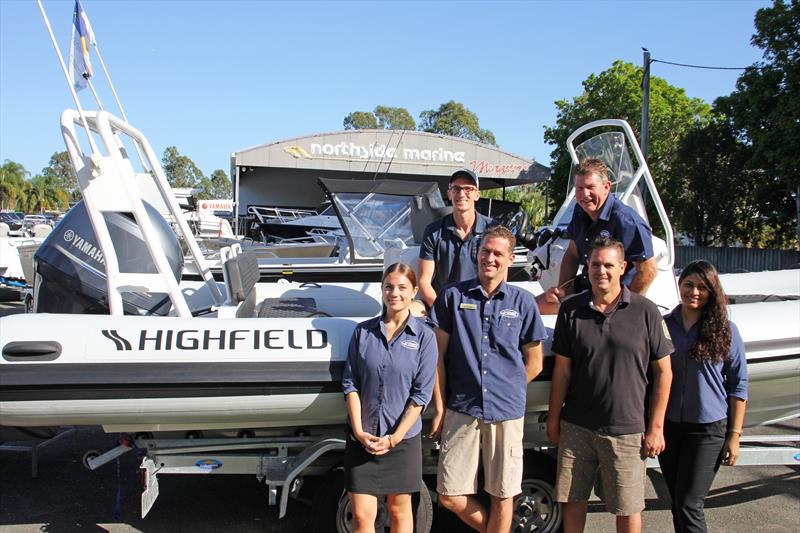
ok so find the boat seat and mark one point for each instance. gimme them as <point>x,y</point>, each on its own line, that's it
<point>241,274</point>
<point>288,308</point>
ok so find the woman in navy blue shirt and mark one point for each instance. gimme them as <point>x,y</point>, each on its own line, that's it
<point>387,381</point>
<point>707,399</point>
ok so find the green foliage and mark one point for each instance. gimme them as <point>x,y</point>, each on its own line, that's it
<point>394,118</point>
<point>616,93</point>
<point>714,199</point>
<point>12,183</point>
<point>180,170</point>
<point>360,120</point>
<point>43,193</point>
<point>453,118</point>
<point>531,198</point>
<point>764,111</point>
<point>220,185</point>
<point>382,118</point>
<point>60,172</point>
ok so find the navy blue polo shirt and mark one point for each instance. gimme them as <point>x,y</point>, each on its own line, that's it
<point>617,221</point>
<point>700,390</point>
<point>386,375</point>
<point>485,369</point>
<point>609,357</point>
<point>454,259</point>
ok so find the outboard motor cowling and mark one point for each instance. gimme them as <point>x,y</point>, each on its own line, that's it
<point>70,274</point>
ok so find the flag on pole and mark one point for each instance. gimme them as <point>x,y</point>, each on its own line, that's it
<point>82,38</point>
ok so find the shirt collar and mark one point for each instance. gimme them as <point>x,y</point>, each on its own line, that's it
<point>481,223</point>
<point>475,287</point>
<point>605,213</point>
<point>624,299</point>
<point>413,324</point>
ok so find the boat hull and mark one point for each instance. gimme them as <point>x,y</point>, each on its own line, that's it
<point>167,373</point>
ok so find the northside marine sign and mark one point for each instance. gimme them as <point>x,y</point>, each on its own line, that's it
<point>351,151</point>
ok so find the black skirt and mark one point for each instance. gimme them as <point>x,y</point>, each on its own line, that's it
<point>396,472</point>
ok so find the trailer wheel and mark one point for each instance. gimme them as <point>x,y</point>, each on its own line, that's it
<point>535,509</point>
<point>91,454</point>
<point>332,507</point>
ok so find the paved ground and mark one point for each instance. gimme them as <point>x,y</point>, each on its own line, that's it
<point>68,498</point>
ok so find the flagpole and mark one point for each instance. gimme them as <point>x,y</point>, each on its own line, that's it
<point>113,90</point>
<point>96,97</point>
<point>92,144</point>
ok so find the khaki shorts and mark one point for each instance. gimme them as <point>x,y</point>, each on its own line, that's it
<point>622,469</point>
<point>463,437</point>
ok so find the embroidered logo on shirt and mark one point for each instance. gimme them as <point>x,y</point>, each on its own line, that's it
<point>509,313</point>
<point>605,233</point>
<point>666,330</point>
<point>411,345</point>
<point>467,306</point>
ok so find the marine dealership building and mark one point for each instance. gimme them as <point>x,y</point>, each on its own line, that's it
<point>284,174</point>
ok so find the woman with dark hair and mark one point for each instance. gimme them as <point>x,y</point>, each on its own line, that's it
<point>707,399</point>
<point>387,381</point>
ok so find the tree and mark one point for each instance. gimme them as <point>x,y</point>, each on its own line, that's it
<point>61,171</point>
<point>12,183</point>
<point>43,193</point>
<point>711,159</point>
<point>453,118</point>
<point>220,185</point>
<point>394,118</point>
<point>180,170</point>
<point>616,93</point>
<point>764,111</point>
<point>383,118</point>
<point>360,120</point>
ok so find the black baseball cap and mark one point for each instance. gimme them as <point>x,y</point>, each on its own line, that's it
<point>465,173</point>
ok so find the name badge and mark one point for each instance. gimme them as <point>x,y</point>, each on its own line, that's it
<point>467,306</point>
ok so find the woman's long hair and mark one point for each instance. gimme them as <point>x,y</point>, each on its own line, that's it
<point>714,340</point>
<point>401,268</point>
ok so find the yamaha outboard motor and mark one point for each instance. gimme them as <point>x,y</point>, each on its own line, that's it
<point>70,269</point>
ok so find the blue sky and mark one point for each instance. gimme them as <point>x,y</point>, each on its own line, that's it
<point>213,77</point>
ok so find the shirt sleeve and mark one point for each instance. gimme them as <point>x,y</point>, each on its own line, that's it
<point>637,238</point>
<point>350,379</point>
<point>428,246</point>
<point>561,334</point>
<point>660,341</point>
<point>532,326</point>
<point>440,314</point>
<point>735,369</point>
<point>422,385</point>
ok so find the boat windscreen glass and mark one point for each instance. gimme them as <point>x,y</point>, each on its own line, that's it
<point>374,218</point>
<point>612,149</point>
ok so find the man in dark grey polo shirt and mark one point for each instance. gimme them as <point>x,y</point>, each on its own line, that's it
<point>605,339</point>
<point>450,245</point>
<point>489,335</point>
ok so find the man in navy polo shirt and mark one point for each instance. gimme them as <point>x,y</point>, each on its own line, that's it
<point>601,214</point>
<point>450,245</point>
<point>490,347</point>
<point>605,340</point>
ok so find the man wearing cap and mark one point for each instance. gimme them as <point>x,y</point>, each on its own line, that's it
<point>601,214</point>
<point>450,246</point>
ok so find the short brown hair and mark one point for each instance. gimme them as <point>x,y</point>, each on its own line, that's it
<point>601,243</point>
<point>592,165</point>
<point>500,232</point>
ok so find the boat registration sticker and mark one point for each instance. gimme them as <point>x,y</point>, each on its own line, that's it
<point>208,464</point>
<point>467,306</point>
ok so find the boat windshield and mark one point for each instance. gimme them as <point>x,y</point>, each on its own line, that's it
<point>373,218</point>
<point>611,148</point>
